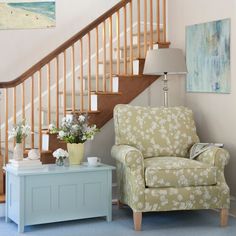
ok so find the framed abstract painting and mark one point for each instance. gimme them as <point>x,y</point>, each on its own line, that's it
<point>208,57</point>
<point>27,14</point>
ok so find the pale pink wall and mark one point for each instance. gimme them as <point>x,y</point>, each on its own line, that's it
<point>215,114</point>
<point>20,49</point>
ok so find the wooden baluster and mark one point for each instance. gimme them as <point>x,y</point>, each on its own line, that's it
<point>81,77</point>
<point>0,126</point>
<point>23,107</point>
<point>14,105</point>
<point>125,40</point>
<point>151,24</point>
<point>131,37</point>
<point>139,29</point>
<point>32,111</point>
<point>6,126</point>
<point>73,76</point>
<point>14,111</point>
<point>104,56</point>
<point>158,22</point>
<point>145,28</point>
<point>89,72</point>
<point>57,90</point>
<point>111,53</point>
<point>118,41</point>
<point>40,109</point>
<point>164,20</point>
<point>64,83</point>
<point>97,60</point>
<point>49,92</point>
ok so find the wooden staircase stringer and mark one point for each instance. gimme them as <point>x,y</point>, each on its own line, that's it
<point>129,88</point>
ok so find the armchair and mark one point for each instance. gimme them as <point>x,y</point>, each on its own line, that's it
<point>154,172</point>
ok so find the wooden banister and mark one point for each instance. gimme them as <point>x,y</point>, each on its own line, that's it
<point>64,46</point>
<point>104,48</point>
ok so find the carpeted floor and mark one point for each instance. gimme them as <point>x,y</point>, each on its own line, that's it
<point>183,223</point>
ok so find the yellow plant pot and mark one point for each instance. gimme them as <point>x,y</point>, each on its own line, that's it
<point>76,153</point>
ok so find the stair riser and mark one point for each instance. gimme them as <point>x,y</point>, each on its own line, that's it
<point>142,38</point>
<point>135,51</point>
<point>69,106</point>
<point>114,68</point>
<point>122,70</point>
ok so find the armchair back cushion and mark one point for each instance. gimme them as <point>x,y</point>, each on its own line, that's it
<point>155,131</point>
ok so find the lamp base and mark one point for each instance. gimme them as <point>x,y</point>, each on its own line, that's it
<point>165,89</point>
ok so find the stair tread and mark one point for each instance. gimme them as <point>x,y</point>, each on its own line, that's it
<point>85,93</point>
<point>68,110</point>
<point>135,45</point>
<point>137,76</point>
<point>94,77</point>
<point>108,93</point>
<point>2,198</point>
<point>26,151</point>
<point>148,32</point>
<point>114,60</point>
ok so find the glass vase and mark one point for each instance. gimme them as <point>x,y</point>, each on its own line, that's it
<point>60,161</point>
<point>18,152</point>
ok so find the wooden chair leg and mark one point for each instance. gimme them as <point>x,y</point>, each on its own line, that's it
<point>224,217</point>
<point>120,204</point>
<point>137,216</point>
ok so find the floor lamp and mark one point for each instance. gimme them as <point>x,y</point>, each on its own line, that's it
<point>165,62</point>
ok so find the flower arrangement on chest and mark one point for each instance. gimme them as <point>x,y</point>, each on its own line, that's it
<point>75,131</point>
<point>19,132</point>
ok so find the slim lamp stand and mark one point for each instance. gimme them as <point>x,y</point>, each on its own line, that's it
<point>165,61</point>
<point>165,89</point>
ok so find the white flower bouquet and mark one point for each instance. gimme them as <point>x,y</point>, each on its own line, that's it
<point>76,130</point>
<point>20,131</point>
<point>60,153</point>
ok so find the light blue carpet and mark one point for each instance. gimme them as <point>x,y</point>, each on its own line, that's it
<point>184,223</point>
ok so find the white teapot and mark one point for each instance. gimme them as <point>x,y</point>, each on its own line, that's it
<point>34,154</point>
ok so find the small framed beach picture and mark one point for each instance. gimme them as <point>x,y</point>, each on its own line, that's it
<point>27,14</point>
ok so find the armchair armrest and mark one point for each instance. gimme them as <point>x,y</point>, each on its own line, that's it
<point>219,158</point>
<point>129,156</point>
<point>215,156</point>
<point>130,176</point>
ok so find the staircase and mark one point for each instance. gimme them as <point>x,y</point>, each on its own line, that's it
<point>97,68</point>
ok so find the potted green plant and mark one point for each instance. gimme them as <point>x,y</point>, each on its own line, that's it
<point>75,132</point>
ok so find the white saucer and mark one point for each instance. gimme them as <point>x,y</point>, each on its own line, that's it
<point>86,164</point>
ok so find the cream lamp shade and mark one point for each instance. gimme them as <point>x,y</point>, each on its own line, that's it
<point>161,61</point>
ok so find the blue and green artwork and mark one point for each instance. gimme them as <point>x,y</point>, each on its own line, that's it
<point>208,57</point>
<point>27,14</point>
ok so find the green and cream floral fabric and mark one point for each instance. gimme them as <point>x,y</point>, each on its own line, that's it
<point>155,131</point>
<point>177,172</point>
<point>170,182</point>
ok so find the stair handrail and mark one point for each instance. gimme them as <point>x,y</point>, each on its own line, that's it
<point>36,67</point>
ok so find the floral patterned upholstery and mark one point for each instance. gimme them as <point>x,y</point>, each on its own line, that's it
<point>157,131</point>
<point>177,172</point>
<point>154,172</point>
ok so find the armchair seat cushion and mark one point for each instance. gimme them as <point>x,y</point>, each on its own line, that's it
<point>162,172</point>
